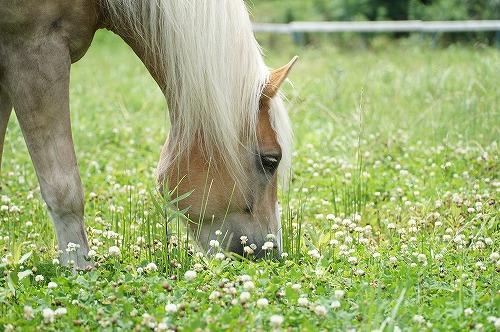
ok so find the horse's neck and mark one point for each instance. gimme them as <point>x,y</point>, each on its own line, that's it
<point>149,60</point>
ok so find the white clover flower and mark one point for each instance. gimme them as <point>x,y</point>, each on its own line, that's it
<point>418,319</point>
<point>352,260</point>
<point>339,293</point>
<point>91,253</point>
<point>314,254</point>
<point>114,251</point>
<point>52,285</point>
<point>72,247</point>
<point>15,208</point>
<point>48,315</point>
<point>39,277</point>
<point>218,232</point>
<point>496,323</point>
<point>335,304</point>
<point>249,285</point>
<point>303,301</point>
<point>244,239</point>
<point>220,256</point>
<point>284,255</point>
<point>152,267</point>
<point>480,265</point>
<point>140,270</point>
<point>244,297</point>
<point>276,320</point>
<point>162,326</point>
<point>244,277</point>
<point>190,275</point>
<point>214,243</point>
<point>262,303</point>
<point>494,256</point>
<point>28,312</point>
<point>248,250</point>
<point>268,245</point>
<point>468,311</point>
<point>422,258</point>
<point>393,260</point>
<point>171,308</point>
<point>270,237</point>
<point>360,272</point>
<point>215,295</point>
<point>296,287</point>
<point>364,241</point>
<point>320,310</point>
<point>60,311</point>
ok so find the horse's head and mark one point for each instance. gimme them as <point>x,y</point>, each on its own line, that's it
<point>245,209</point>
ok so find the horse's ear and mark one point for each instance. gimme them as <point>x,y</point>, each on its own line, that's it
<point>276,78</point>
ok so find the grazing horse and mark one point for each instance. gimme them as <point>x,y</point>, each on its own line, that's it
<point>229,129</point>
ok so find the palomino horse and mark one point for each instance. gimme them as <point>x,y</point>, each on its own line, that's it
<point>229,130</point>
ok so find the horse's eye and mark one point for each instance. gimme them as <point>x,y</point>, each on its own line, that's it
<point>270,162</point>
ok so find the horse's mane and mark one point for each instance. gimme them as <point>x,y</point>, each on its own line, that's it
<point>213,69</point>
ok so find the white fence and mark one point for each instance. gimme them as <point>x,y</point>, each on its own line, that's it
<point>379,26</point>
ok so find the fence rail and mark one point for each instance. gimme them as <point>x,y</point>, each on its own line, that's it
<point>379,26</point>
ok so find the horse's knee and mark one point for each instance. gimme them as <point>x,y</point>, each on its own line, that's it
<point>64,197</point>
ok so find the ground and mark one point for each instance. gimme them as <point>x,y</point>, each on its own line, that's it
<point>390,216</point>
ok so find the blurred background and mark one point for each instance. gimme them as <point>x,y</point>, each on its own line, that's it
<point>285,11</point>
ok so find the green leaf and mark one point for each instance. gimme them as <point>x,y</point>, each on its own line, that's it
<point>12,280</point>
<point>24,274</point>
<point>25,257</point>
<point>320,290</point>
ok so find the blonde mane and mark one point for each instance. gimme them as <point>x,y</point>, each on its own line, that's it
<point>213,69</point>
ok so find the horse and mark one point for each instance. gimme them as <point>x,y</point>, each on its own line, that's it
<point>229,132</point>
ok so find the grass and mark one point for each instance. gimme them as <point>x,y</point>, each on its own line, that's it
<point>391,215</point>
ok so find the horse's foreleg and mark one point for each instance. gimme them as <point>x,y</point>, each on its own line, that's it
<point>40,95</point>
<point>5,110</point>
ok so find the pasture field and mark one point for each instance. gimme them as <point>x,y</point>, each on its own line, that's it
<point>390,218</point>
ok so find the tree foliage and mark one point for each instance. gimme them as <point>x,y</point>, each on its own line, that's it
<point>284,11</point>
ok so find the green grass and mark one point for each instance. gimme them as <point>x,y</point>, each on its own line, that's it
<point>392,211</point>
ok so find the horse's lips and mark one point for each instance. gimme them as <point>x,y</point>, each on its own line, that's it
<point>231,234</point>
